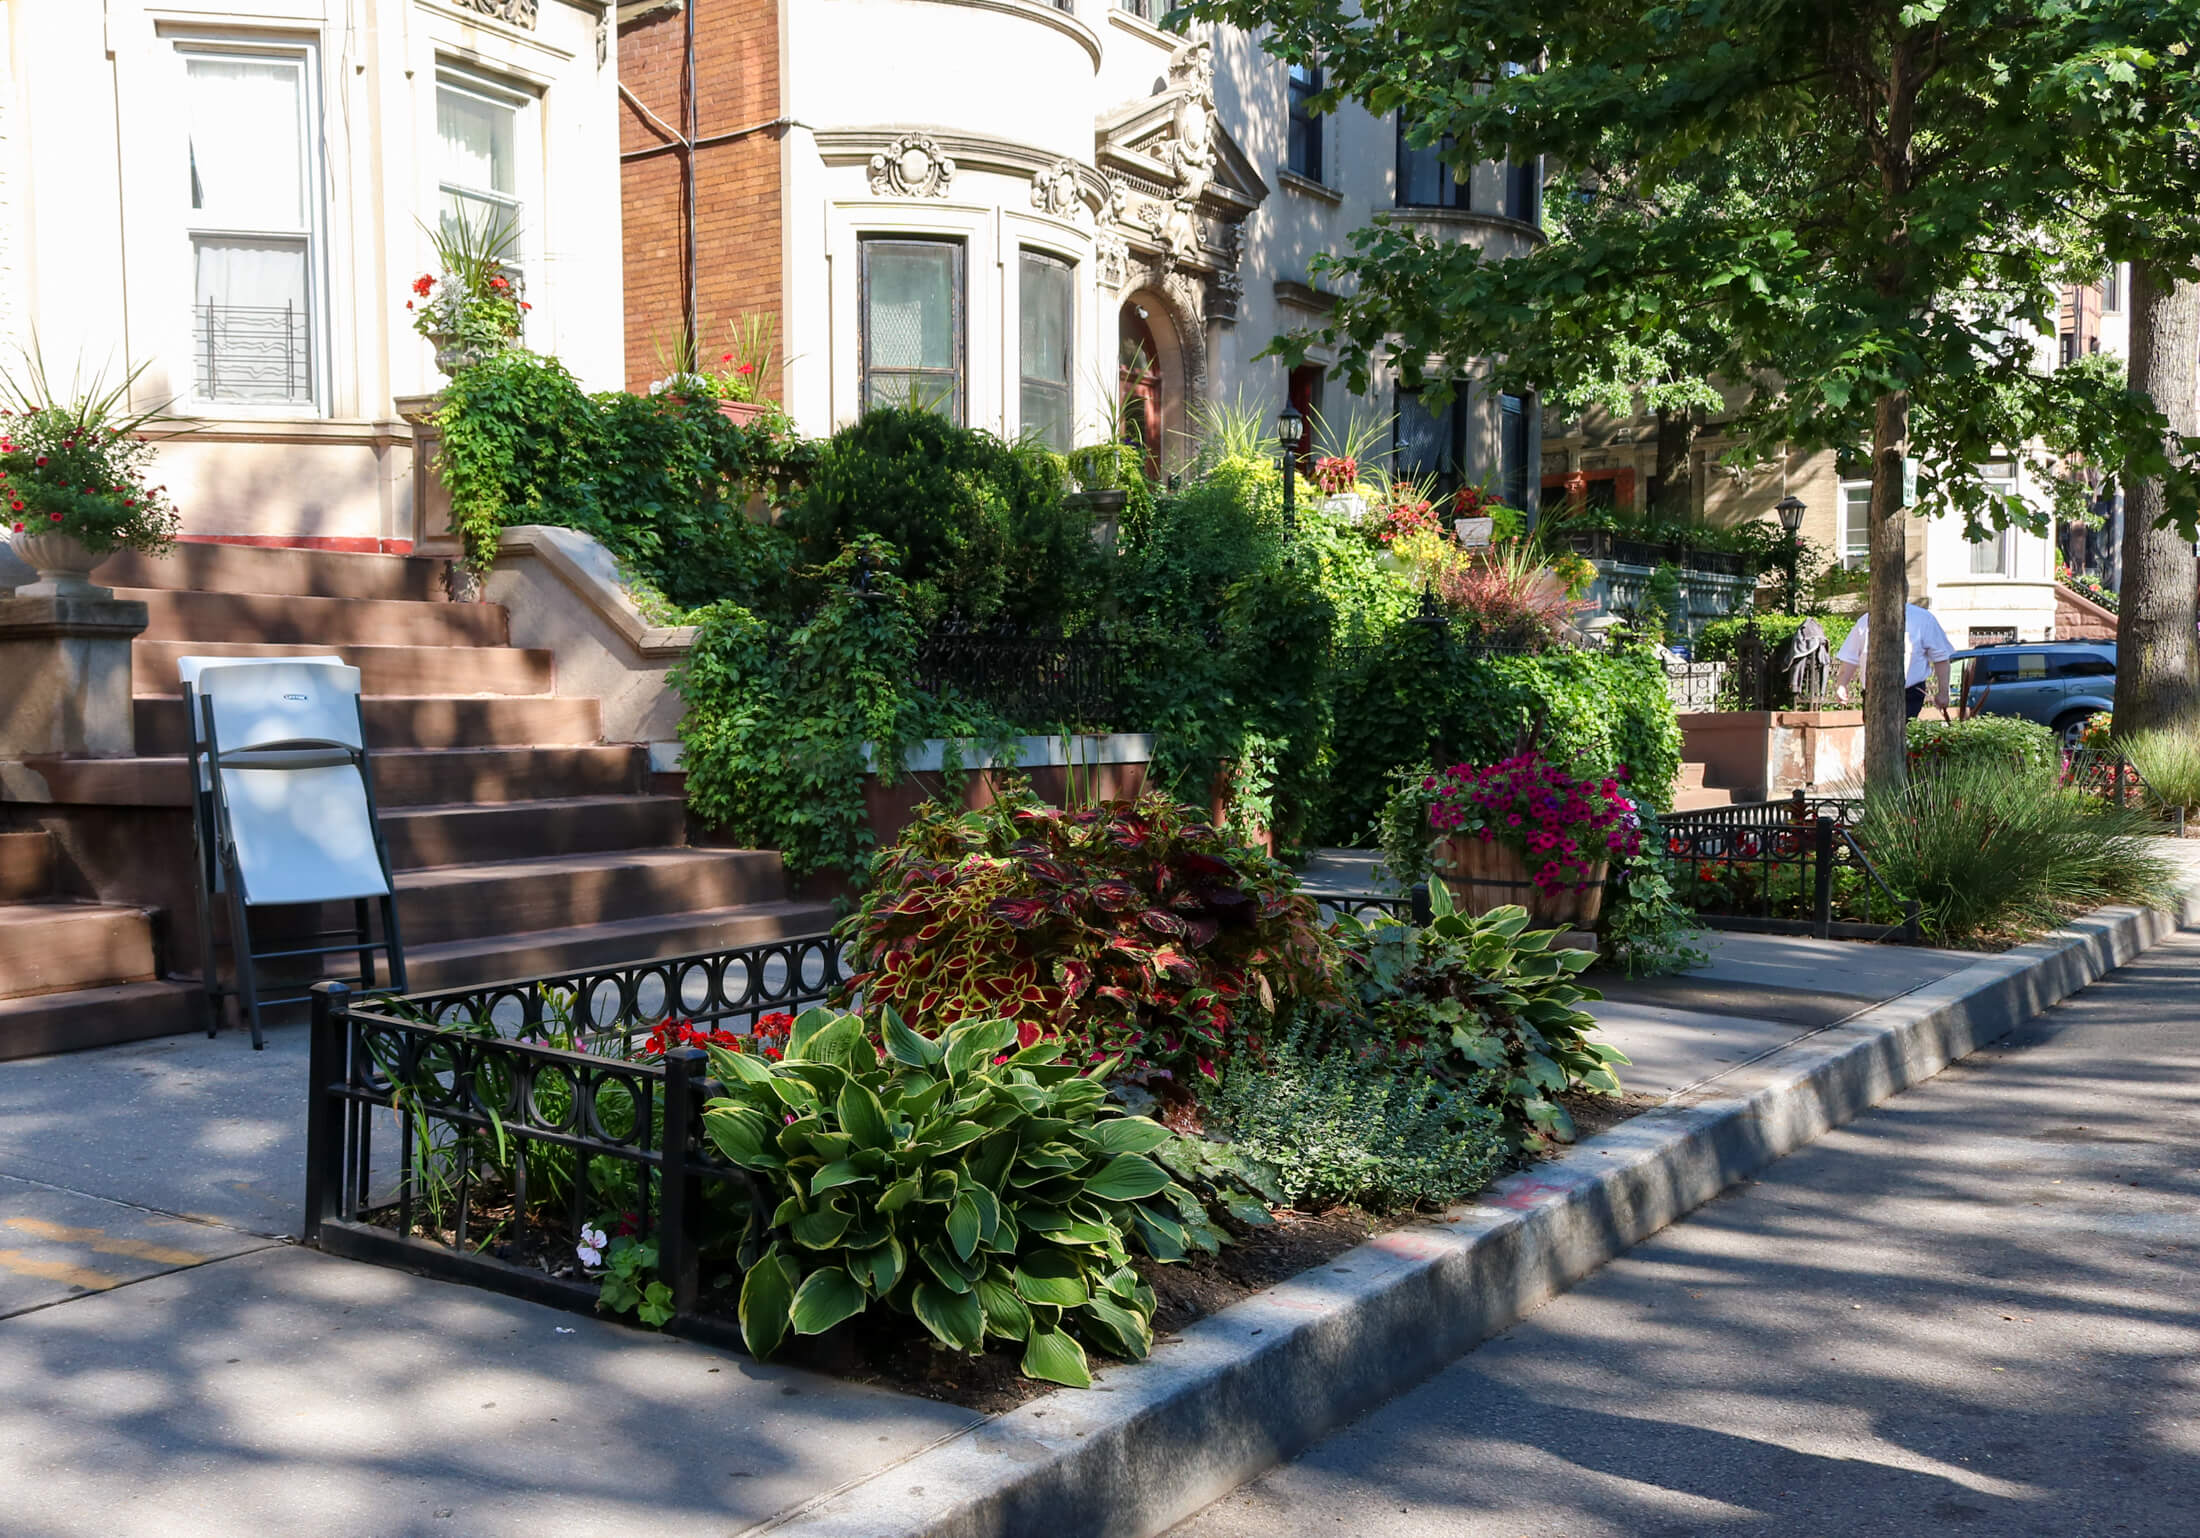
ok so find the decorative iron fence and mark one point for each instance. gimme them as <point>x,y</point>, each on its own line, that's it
<point>2116,779</point>
<point>1694,686</point>
<point>1410,908</point>
<point>1785,867</point>
<point>1031,679</point>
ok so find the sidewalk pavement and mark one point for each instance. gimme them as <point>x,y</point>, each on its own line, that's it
<point>167,1347</point>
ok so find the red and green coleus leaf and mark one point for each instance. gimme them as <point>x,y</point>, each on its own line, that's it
<point>1019,912</point>
<point>1114,895</point>
<point>1163,922</point>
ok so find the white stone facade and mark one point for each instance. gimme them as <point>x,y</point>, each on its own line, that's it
<point>234,196</point>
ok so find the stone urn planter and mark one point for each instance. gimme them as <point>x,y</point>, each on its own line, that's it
<point>1489,875</point>
<point>63,565</point>
<point>451,354</point>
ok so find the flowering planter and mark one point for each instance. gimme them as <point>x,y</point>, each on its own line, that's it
<point>63,565</point>
<point>452,355</point>
<point>1485,874</point>
<point>742,413</point>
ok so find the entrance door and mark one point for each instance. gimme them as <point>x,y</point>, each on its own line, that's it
<point>1140,373</point>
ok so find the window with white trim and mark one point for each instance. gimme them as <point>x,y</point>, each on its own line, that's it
<point>253,225</point>
<point>1990,556</point>
<point>1046,337</point>
<point>1856,524</point>
<point>912,324</point>
<point>478,142</point>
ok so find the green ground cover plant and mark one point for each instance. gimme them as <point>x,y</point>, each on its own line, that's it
<point>2010,741</point>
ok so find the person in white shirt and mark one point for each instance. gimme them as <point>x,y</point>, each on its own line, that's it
<point>1925,648</point>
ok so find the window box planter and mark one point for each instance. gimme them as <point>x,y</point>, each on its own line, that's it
<point>1486,875</point>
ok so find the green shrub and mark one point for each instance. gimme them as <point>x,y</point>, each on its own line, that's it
<point>2009,741</point>
<point>1340,1125</point>
<point>978,1187</point>
<point>1721,639</point>
<point>2169,761</point>
<point>1993,851</point>
<point>1497,999</point>
<point>980,522</point>
<point>1129,929</point>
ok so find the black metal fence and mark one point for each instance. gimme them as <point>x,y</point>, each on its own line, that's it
<point>1785,867</point>
<point>1073,681</point>
<point>2106,773</point>
<point>477,1134</point>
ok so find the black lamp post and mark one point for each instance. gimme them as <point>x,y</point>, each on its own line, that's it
<point>1291,433</point>
<point>1790,508</point>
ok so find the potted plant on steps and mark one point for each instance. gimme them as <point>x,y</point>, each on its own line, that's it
<point>74,479</point>
<point>470,309</point>
<point>1523,831</point>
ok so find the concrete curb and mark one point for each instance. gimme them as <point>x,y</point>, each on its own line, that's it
<point>1253,1385</point>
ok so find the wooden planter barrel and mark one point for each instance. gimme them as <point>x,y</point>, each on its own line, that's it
<point>1489,875</point>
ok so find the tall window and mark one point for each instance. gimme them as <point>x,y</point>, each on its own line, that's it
<point>1046,326</point>
<point>1856,524</point>
<point>1304,152</point>
<point>1524,190</point>
<point>913,324</point>
<point>2112,289</point>
<point>478,141</point>
<point>1990,556</point>
<point>1424,180</point>
<point>253,220</point>
<point>1514,448</point>
<point>1429,441</point>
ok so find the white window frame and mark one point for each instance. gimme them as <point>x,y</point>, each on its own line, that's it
<point>525,104</point>
<point>1856,531</point>
<point>1012,326</point>
<point>1997,546</point>
<point>305,55</point>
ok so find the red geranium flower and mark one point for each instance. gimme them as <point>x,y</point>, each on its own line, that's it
<point>422,284</point>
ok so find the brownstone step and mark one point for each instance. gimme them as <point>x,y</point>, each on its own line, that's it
<point>417,670</point>
<point>408,777</point>
<point>550,952</point>
<point>514,897</point>
<point>1692,776</point>
<point>401,721</point>
<point>1701,798</point>
<point>98,1017</point>
<point>26,866</point>
<point>202,566</point>
<point>260,617</point>
<point>423,836</point>
<point>54,947</point>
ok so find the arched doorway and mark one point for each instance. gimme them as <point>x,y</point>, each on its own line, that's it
<point>1139,379</point>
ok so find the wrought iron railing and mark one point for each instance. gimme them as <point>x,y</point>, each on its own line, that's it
<point>2106,773</point>
<point>1408,908</point>
<point>1075,681</point>
<point>1785,867</point>
<point>1694,686</point>
<point>251,353</point>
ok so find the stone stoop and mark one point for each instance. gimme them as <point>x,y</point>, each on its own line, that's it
<point>1693,795</point>
<point>522,842</point>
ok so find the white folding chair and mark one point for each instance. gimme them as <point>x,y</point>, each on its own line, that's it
<point>290,815</point>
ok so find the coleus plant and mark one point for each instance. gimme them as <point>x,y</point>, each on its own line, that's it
<point>1128,929</point>
<point>985,1188</point>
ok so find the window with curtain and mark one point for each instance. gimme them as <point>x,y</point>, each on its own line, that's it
<point>1424,180</point>
<point>1427,441</point>
<point>477,133</point>
<point>1856,524</point>
<point>1303,151</point>
<point>1514,448</point>
<point>912,324</point>
<point>1046,328</point>
<point>1990,556</point>
<point>252,224</point>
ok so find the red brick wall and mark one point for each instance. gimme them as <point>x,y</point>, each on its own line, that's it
<point>737,182</point>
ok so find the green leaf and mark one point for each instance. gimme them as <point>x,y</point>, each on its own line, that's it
<point>1127,1134</point>
<point>739,1067</point>
<point>1122,1332</point>
<point>1005,1313</point>
<point>825,1298</point>
<point>943,1264</point>
<point>906,1046</point>
<point>1051,1276</point>
<point>821,1229</point>
<point>957,1318</point>
<point>1053,1357</point>
<point>767,1299</point>
<point>1127,1178</point>
<point>841,1172</point>
<point>900,1194</point>
<point>963,1225</point>
<point>805,1028</point>
<point>975,1042</point>
<point>741,1134</point>
<point>880,1269</point>
<point>863,1117</point>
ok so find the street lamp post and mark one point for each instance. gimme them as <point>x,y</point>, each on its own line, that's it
<point>1290,431</point>
<point>1790,508</point>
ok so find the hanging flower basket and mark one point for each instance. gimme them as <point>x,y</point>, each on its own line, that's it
<point>1484,874</point>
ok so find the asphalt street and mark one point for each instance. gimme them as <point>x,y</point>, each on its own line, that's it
<point>1974,1310</point>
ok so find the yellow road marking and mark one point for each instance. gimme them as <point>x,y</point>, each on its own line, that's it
<point>99,1239</point>
<point>56,1271</point>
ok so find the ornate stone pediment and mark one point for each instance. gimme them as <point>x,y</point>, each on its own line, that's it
<point>911,167</point>
<point>520,13</point>
<point>1182,183</point>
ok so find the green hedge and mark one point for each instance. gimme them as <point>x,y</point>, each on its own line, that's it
<point>1984,740</point>
<point>1415,697</point>
<point>1719,640</point>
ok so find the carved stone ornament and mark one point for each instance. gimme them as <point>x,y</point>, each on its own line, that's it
<point>1225,290</point>
<point>912,167</point>
<point>1112,259</point>
<point>1055,190</point>
<point>520,13</point>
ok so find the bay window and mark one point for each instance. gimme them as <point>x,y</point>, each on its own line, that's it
<point>912,324</point>
<point>252,225</point>
<point>1046,333</point>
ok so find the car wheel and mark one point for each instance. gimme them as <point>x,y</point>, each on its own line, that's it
<point>2071,729</point>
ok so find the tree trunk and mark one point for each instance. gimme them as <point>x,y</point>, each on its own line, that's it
<point>1675,473</point>
<point>1886,674</point>
<point>2157,667</point>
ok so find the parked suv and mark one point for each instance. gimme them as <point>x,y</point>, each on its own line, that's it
<point>2056,683</point>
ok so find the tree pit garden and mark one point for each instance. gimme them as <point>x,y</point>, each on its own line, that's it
<point>1063,1080</point>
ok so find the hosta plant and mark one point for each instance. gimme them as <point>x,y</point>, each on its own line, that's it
<point>1130,929</point>
<point>1493,997</point>
<point>986,1189</point>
